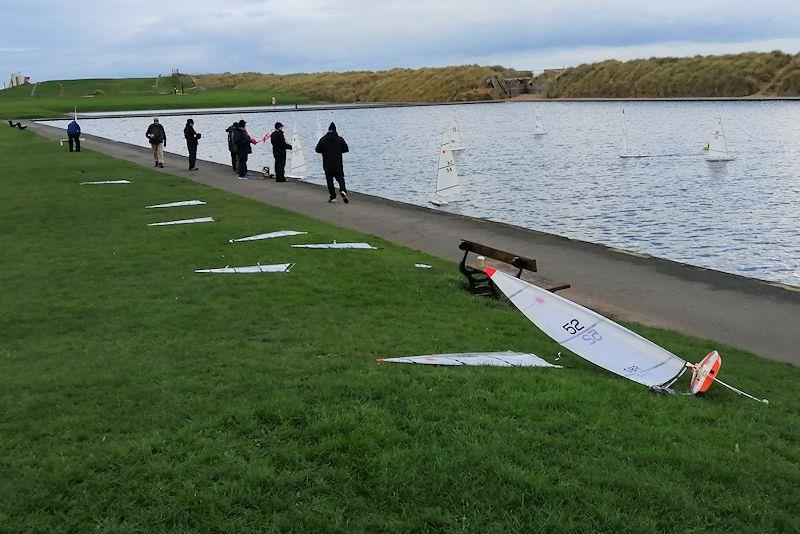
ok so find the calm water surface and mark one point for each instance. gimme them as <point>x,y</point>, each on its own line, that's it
<point>740,217</point>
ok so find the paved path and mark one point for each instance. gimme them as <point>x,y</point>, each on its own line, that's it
<point>758,316</point>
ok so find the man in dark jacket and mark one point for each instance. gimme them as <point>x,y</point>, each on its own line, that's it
<point>242,141</point>
<point>74,136</point>
<point>331,146</point>
<point>230,130</point>
<point>158,141</point>
<point>279,148</point>
<point>191,143</point>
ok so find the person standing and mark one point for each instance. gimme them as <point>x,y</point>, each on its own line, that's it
<point>231,130</point>
<point>279,148</point>
<point>332,146</point>
<point>242,141</point>
<point>74,136</point>
<point>191,143</point>
<point>158,141</point>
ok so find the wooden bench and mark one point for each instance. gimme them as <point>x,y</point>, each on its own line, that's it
<point>481,284</point>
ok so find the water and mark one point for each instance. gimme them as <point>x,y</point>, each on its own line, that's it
<point>739,217</point>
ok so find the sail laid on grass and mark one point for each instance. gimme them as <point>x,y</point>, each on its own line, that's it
<point>106,182</point>
<point>184,221</point>
<point>336,245</point>
<point>177,204</point>
<point>491,359</point>
<point>270,235</point>
<point>250,269</point>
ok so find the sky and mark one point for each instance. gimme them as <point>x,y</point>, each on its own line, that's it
<point>60,39</point>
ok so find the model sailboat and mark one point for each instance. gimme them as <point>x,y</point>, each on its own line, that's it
<point>602,341</point>
<point>447,184</point>
<point>539,129</point>
<point>626,145</point>
<point>452,138</point>
<point>298,168</point>
<point>718,147</point>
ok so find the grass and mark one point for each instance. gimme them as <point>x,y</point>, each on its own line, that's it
<point>138,396</point>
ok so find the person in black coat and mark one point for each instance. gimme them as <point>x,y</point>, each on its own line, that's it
<point>332,146</point>
<point>230,130</point>
<point>242,141</point>
<point>279,148</point>
<point>191,143</point>
<point>158,141</point>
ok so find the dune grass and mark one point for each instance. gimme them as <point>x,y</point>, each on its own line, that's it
<point>138,396</point>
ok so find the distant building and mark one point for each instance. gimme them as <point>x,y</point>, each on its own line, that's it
<point>19,79</point>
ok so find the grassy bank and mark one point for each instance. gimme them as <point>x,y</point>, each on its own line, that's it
<point>735,75</point>
<point>139,396</point>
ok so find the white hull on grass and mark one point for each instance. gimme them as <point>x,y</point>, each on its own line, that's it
<point>335,245</point>
<point>250,269</point>
<point>718,146</point>
<point>106,182</point>
<point>177,204</point>
<point>270,235</point>
<point>184,221</point>
<point>490,359</point>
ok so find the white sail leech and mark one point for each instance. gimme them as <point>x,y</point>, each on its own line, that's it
<point>270,235</point>
<point>184,221</point>
<point>335,245</point>
<point>590,335</point>
<point>490,359</point>
<point>106,182</point>
<point>298,168</point>
<point>250,269</point>
<point>177,204</point>
<point>718,146</point>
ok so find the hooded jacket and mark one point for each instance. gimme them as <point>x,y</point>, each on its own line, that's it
<point>332,146</point>
<point>241,141</point>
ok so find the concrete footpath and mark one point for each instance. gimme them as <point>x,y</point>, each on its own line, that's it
<point>758,316</point>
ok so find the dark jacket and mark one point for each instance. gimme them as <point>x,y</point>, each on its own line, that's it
<point>73,128</point>
<point>279,144</point>
<point>158,134</point>
<point>331,146</point>
<point>190,135</point>
<point>241,140</point>
<point>231,147</point>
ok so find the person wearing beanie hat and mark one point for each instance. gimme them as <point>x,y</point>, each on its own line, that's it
<point>279,148</point>
<point>332,146</point>
<point>191,143</point>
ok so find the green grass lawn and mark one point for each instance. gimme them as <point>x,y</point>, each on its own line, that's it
<point>138,396</point>
<point>55,98</point>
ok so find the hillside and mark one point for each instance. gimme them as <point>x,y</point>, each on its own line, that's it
<point>738,75</point>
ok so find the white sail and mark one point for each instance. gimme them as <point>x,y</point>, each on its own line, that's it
<point>539,129</point>
<point>270,235</point>
<point>718,146</point>
<point>184,221</point>
<point>336,245</point>
<point>298,167</point>
<point>320,133</point>
<point>452,138</point>
<point>491,359</point>
<point>106,182</point>
<point>590,335</point>
<point>248,269</point>
<point>177,204</point>
<point>447,184</point>
<point>626,144</point>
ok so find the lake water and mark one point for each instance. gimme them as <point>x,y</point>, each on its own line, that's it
<point>739,217</point>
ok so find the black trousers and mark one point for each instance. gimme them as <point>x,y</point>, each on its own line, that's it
<point>234,162</point>
<point>280,166</point>
<point>241,164</point>
<point>192,155</point>
<point>340,179</point>
<point>74,139</point>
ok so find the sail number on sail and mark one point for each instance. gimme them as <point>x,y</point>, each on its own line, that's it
<point>574,326</point>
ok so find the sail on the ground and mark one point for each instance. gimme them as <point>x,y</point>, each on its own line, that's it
<point>250,269</point>
<point>177,204</point>
<point>336,245</point>
<point>270,235</point>
<point>718,146</point>
<point>492,359</point>
<point>184,221</point>
<point>298,167</point>
<point>447,184</point>
<point>590,335</point>
<point>106,182</point>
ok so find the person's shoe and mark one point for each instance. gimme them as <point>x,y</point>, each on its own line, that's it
<point>194,169</point>
<point>242,177</point>
<point>344,197</point>
<point>156,164</point>
<point>331,200</point>
<point>160,165</point>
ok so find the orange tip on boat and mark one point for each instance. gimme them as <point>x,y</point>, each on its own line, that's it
<point>704,372</point>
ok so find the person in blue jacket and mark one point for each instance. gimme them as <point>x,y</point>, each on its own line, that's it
<point>74,136</point>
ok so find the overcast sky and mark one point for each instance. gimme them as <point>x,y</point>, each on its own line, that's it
<point>56,39</point>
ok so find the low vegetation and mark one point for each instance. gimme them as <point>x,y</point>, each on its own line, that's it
<point>740,75</point>
<point>138,396</point>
